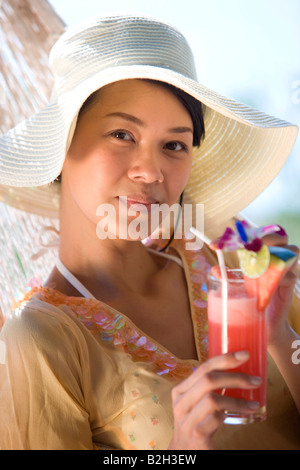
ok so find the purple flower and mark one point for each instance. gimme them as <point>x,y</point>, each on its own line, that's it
<point>246,236</point>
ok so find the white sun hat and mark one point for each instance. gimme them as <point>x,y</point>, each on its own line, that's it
<point>243,150</point>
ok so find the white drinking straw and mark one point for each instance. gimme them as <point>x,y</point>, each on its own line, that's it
<point>224,281</point>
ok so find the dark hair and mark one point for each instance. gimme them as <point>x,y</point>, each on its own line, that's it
<point>193,106</point>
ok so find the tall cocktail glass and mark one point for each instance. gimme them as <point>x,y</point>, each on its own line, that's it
<point>236,324</point>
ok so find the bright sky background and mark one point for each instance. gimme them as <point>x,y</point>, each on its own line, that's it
<point>248,50</point>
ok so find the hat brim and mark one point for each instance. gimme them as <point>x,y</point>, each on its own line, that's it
<point>243,150</point>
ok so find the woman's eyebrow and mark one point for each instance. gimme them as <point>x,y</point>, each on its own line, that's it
<point>180,130</point>
<point>130,117</point>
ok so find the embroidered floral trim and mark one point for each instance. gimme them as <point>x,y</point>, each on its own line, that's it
<point>116,330</point>
<point>198,268</point>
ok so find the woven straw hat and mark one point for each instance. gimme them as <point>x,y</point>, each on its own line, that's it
<point>243,150</point>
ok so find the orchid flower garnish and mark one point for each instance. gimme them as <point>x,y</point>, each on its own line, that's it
<point>247,237</point>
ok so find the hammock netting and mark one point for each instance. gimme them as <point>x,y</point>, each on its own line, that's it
<point>28,29</point>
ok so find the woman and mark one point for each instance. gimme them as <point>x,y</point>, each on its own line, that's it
<point>111,351</point>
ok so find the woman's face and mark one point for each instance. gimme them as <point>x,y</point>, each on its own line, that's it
<point>134,141</point>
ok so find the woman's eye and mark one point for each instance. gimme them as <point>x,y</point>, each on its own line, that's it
<point>175,146</point>
<point>122,135</point>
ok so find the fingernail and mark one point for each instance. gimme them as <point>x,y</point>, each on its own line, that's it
<point>241,355</point>
<point>255,380</point>
<point>253,405</point>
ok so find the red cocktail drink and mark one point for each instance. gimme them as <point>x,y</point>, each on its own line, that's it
<point>240,328</point>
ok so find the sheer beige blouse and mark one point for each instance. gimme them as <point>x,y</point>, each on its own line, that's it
<point>77,374</point>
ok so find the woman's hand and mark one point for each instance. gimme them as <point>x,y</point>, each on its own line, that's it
<point>280,335</point>
<point>199,411</point>
<point>280,302</point>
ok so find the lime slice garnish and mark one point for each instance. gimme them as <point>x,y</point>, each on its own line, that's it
<point>254,264</point>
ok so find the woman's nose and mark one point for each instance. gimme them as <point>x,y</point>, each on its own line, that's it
<point>145,166</point>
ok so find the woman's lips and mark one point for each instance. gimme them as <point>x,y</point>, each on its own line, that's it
<point>131,201</point>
